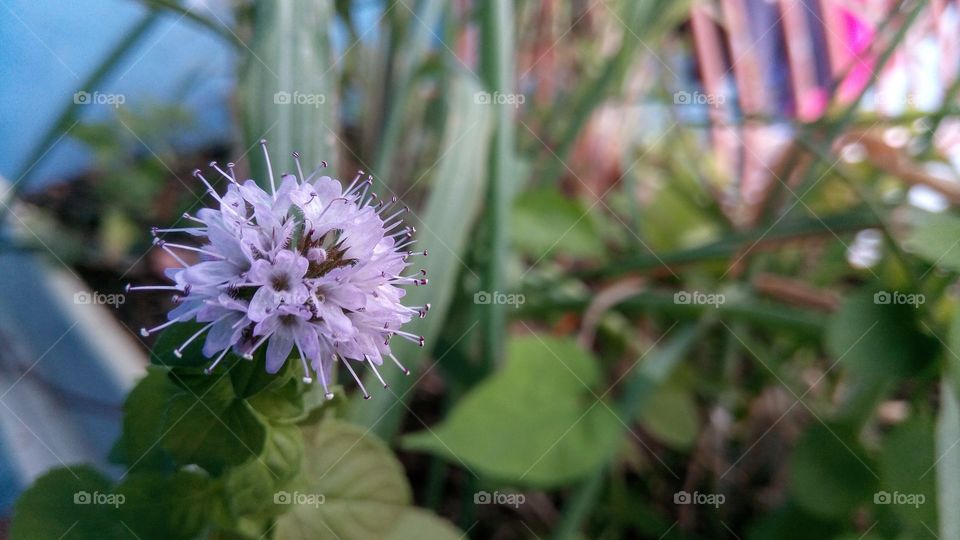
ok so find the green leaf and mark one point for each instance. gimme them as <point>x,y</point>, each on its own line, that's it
<point>871,336</point>
<point>143,418</point>
<point>250,377</point>
<point>417,524</point>
<point>830,473</point>
<point>907,474</point>
<point>211,427</point>
<point>160,507</point>
<point>250,487</point>
<point>541,216</point>
<point>68,503</point>
<point>280,404</point>
<point>288,85</point>
<point>933,237</point>
<point>671,415</point>
<point>536,422</point>
<point>353,488</point>
<point>278,397</point>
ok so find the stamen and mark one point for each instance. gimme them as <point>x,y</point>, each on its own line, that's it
<point>393,201</point>
<point>323,380</point>
<point>229,178</point>
<point>353,183</point>
<point>399,365</point>
<point>249,354</point>
<point>397,213</point>
<point>163,245</point>
<point>196,249</point>
<point>354,373</point>
<point>157,230</point>
<point>306,369</point>
<point>273,183</point>
<point>178,352</point>
<point>375,372</point>
<point>345,201</point>
<point>409,337</point>
<point>296,158</point>
<point>133,288</point>
<point>208,370</point>
<point>144,332</point>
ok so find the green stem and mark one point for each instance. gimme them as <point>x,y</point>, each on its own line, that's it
<point>578,508</point>
<point>405,55</point>
<point>217,28</point>
<point>496,63</point>
<point>764,314</point>
<point>725,248</point>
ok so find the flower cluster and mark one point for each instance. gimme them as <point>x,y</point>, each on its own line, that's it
<point>309,268</point>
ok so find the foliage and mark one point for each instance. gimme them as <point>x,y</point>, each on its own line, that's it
<point>671,358</point>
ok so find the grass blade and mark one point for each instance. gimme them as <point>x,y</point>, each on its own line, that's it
<point>445,227</point>
<point>289,84</point>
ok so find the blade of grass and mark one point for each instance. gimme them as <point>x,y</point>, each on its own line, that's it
<point>291,61</point>
<point>186,12</point>
<point>947,435</point>
<point>444,229</point>
<point>497,67</point>
<point>728,247</point>
<point>409,53</point>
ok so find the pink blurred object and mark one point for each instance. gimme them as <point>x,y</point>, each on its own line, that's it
<point>857,37</point>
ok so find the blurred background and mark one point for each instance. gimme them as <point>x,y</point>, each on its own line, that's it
<point>692,262</point>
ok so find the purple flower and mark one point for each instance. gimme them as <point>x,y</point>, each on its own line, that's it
<point>310,270</point>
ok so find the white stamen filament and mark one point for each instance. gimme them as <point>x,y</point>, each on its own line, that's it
<point>216,362</point>
<point>354,373</point>
<point>273,183</point>
<point>399,365</point>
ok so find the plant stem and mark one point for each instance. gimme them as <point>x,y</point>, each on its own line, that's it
<point>496,63</point>
<point>853,220</point>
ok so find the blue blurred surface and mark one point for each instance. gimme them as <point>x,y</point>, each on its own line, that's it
<point>50,48</point>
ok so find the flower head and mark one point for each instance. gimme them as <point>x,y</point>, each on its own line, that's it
<point>310,270</point>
